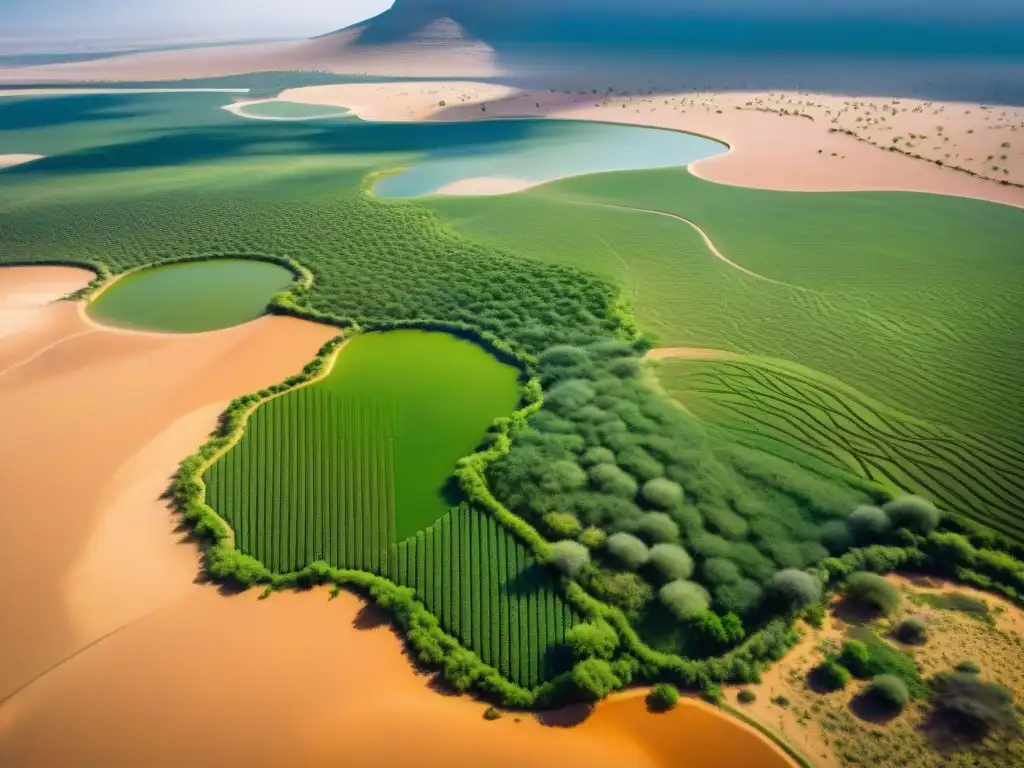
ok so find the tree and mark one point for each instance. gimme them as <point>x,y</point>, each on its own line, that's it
<point>888,692</point>
<point>663,697</point>
<point>627,549</point>
<point>610,479</point>
<point>593,537</point>
<point>562,525</point>
<point>594,679</point>
<point>624,590</point>
<point>836,536</point>
<point>569,557</point>
<point>661,492</point>
<point>685,599</point>
<point>912,631</point>
<point>672,561</point>
<point>913,513</point>
<point>657,527</point>
<point>868,524</point>
<point>592,640</point>
<point>872,592</point>
<point>795,589</point>
<point>832,675</point>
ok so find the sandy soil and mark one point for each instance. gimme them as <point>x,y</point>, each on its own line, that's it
<point>112,413</point>
<point>26,292</point>
<point>8,161</point>
<point>768,150</point>
<point>485,185</point>
<point>689,353</point>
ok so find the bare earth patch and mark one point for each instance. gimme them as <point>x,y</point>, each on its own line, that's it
<point>9,161</point>
<point>485,185</point>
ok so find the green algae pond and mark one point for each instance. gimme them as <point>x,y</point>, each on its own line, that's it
<point>343,469</point>
<point>191,296</point>
<point>290,110</point>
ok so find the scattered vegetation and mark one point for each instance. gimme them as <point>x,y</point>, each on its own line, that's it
<point>872,592</point>
<point>888,692</point>
<point>663,697</point>
<point>912,631</point>
<point>971,708</point>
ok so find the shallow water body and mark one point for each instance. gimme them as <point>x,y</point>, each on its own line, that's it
<point>192,296</point>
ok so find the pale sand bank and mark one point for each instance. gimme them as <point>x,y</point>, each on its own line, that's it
<point>25,292</point>
<point>95,425</point>
<point>768,150</point>
<point>9,161</point>
<point>689,353</point>
<point>485,185</point>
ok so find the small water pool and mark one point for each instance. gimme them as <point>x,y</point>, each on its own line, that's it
<point>544,150</point>
<point>191,296</point>
<point>288,110</point>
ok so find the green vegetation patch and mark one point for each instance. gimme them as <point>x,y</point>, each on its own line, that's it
<point>192,296</point>
<point>340,470</point>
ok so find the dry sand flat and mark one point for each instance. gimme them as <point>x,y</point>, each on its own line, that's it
<point>95,424</point>
<point>768,150</point>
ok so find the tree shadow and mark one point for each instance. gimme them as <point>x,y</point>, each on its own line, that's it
<point>854,613</point>
<point>370,617</point>
<point>817,681</point>
<point>871,709</point>
<point>566,717</point>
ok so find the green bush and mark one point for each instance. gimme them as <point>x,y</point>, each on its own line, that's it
<point>913,513</point>
<point>562,525</point>
<point>627,549</point>
<point>594,679</point>
<point>569,557</point>
<point>795,589</point>
<point>718,570</point>
<point>592,640</point>
<point>832,675</point>
<point>610,479</point>
<point>593,538</point>
<point>663,697</point>
<point>912,631</point>
<point>873,657</point>
<point>712,694</point>
<point>868,524</point>
<point>657,527</point>
<point>746,696</point>
<point>624,590</point>
<point>889,692</point>
<point>872,592</point>
<point>671,561</point>
<point>491,713</point>
<point>685,599</point>
<point>662,492</point>
<point>968,668</point>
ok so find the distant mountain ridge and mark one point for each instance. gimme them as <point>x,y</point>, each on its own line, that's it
<point>724,26</point>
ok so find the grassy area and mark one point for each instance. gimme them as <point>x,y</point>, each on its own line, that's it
<point>899,306</point>
<point>487,590</point>
<point>343,469</point>
<point>192,296</point>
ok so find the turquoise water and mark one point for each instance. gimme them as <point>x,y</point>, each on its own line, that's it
<point>287,110</point>
<point>550,149</point>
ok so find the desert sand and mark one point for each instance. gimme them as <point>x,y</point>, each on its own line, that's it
<point>768,150</point>
<point>8,161</point>
<point>115,628</point>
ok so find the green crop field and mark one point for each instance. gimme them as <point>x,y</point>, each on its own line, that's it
<point>489,592</point>
<point>342,469</point>
<point>911,300</point>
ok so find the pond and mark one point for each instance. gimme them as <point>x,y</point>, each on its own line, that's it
<point>545,150</point>
<point>191,296</point>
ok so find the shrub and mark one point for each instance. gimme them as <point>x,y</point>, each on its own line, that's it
<point>597,455</point>
<point>610,479</point>
<point>740,597</point>
<point>873,657</point>
<point>657,527</point>
<point>672,561</point>
<point>912,631</point>
<point>661,492</point>
<point>832,675</point>
<point>592,640</point>
<point>794,589</point>
<point>624,590</point>
<point>872,592</point>
<point>563,477</point>
<point>712,694</point>
<point>663,697</point>
<point>593,537</point>
<point>594,679</point>
<point>718,570</point>
<point>627,549</point>
<point>562,525</point>
<point>490,713</point>
<point>973,707</point>
<point>968,668</point>
<point>868,524</point>
<point>781,701</point>
<point>836,536</point>
<point>913,513</point>
<point>889,692</point>
<point>685,599</point>
<point>746,696</point>
<point>569,557</point>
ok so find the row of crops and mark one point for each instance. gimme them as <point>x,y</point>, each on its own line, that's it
<point>313,478</point>
<point>486,590</point>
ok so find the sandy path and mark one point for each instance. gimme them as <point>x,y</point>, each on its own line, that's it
<point>9,161</point>
<point>690,353</point>
<point>94,428</point>
<point>768,150</point>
